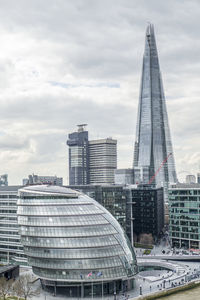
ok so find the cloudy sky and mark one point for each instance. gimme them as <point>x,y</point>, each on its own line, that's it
<point>66,62</point>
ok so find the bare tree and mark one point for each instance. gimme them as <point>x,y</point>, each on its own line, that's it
<point>146,239</point>
<point>5,287</point>
<point>23,287</point>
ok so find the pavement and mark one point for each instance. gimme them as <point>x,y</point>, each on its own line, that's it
<point>179,273</point>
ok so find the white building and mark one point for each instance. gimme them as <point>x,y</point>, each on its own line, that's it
<point>102,160</point>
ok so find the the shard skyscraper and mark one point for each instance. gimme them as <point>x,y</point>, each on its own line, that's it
<point>153,142</point>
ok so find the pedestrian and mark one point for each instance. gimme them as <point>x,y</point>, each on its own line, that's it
<point>150,288</point>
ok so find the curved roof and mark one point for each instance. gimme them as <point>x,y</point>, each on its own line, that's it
<point>49,189</point>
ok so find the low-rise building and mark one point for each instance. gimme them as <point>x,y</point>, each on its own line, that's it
<point>37,179</point>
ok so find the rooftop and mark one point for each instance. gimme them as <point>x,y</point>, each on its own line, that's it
<point>49,189</point>
<point>185,186</point>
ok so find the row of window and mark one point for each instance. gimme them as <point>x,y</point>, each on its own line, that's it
<point>58,210</point>
<point>62,221</point>
<point>68,242</point>
<point>74,253</point>
<point>76,264</point>
<point>117,272</point>
<point>67,231</point>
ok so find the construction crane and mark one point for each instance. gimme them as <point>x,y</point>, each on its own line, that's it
<point>158,170</point>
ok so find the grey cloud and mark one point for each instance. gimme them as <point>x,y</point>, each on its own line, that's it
<point>93,50</point>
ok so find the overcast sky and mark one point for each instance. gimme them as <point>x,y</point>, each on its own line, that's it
<point>66,62</point>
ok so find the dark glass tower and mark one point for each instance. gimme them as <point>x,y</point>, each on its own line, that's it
<point>153,142</point>
<point>78,156</point>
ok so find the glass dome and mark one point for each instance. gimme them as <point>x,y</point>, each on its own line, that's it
<point>69,237</point>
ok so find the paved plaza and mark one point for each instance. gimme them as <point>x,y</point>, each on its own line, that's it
<point>146,282</point>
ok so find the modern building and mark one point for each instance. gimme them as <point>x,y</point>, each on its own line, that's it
<point>190,179</point>
<point>91,162</point>
<point>111,196</point>
<point>36,179</point>
<point>124,176</point>
<point>184,215</point>
<point>72,241</point>
<point>102,160</point>
<point>78,156</point>
<point>4,180</point>
<point>11,249</point>
<point>153,144</point>
<point>145,210</point>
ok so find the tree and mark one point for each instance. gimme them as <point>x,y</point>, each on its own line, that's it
<point>5,287</point>
<point>146,239</point>
<point>23,287</point>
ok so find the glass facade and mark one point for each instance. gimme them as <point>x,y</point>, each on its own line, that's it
<point>145,210</point>
<point>70,237</point>
<point>78,156</point>
<point>11,249</point>
<point>184,216</point>
<point>153,141</point>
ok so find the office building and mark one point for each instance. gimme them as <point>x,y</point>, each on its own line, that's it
<point>153,144</point>
<point>36,179</point>
<point>124,176</point>
<point>184,215</point>
<point>72,241</point>
<point>112,197</point>
<point>145,210</point>
<point>102,160</point>
<point>91,162</point>
<point>190,179</point>
<point>78,156</point>
<point>11,250</point>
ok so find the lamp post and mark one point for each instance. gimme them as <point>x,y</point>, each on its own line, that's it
<point>140,290</point>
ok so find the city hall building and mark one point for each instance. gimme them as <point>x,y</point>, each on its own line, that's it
<point>74,243</point>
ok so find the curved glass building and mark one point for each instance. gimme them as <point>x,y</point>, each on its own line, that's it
<point>71,241</point>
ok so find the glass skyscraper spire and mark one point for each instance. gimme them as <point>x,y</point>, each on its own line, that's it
<point>153,142</point>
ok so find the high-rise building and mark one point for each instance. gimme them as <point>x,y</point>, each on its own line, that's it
<point>102,160</point>
<point>78,156</point>
<point>153,142</point>
<point>91,161</point>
